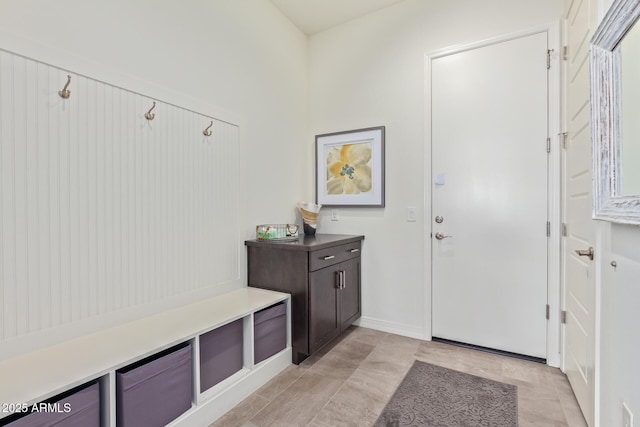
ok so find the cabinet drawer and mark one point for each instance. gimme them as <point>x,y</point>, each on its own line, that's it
<point>333,255</point>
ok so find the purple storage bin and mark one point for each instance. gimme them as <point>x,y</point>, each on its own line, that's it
<point>78,408</point>
<point>270,331</point>
<point>156,390</point>
<point>220,354</point>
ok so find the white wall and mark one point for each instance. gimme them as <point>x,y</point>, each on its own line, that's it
<point>245,59</point>
<point>370,72</point>
<point>619,333</point>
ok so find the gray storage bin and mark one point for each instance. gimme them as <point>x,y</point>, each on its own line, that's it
<point>156,390</point>
<point>270,331</point>
<point>220,354</point>
<point>78,408</point>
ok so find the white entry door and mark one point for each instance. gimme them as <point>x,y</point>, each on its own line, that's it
<point>579,271</point>
<point>489,195</point>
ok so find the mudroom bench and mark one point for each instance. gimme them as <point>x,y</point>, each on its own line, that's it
<point>186,366</point>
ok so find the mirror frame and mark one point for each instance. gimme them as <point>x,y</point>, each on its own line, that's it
<point>606,115</point>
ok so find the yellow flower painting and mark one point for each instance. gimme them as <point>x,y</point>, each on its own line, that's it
<point>348,168</point>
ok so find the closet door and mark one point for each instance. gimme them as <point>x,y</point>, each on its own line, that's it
<point>350,292</point>
<point>324,324</point>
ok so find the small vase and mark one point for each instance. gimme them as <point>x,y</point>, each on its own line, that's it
<point>309,212</point>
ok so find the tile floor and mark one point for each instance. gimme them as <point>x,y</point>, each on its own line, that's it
<point>349,382</point>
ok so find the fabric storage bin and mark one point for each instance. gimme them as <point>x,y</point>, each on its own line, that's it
<point>269,331</point>
<point>79,407</point>
<point>221,354</point>
<point>156,390</point>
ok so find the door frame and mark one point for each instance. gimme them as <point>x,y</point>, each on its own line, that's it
<point>554,347</point>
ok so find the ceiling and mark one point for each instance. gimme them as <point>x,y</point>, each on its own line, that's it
<point>313,16</point>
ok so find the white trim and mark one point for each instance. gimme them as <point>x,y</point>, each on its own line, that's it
<point>554,348</point>
<point>563,189</point>
<point>603,246</point>
<point>554,180</point>
<point>392,328</point>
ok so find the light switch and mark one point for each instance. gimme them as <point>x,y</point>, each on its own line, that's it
<point>412,214</point>
<point>334,215</point>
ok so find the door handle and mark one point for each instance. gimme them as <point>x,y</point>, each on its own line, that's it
<point>441,236</point>
<point>586,252</point>
<point>342,281</point>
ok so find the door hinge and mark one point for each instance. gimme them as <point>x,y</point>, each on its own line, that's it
<point>563,138</point>
<point>565,53</point>
<point>548,311</point>
<point>549,58</point>
<point>563,229</point>
<point>548,229</point>
<point>548,145</point>
<point>563,317</point>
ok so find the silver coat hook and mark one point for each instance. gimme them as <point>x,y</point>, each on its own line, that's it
<point>149,115</point>
<point>65,92</point>
<point>207,132</point>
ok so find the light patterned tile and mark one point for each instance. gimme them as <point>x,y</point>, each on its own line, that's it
<point>299,403</point>
<point>281,382</point>
<point>353,405</point>
<point>349,381</point>
<point>342,360</point>
<point>242,412</point>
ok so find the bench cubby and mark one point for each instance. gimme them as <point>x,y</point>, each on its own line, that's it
<point>156,390</point>
<point>221,354</point>
<point>79,407</point>
<point>178,347</point>
<point>270,331</point>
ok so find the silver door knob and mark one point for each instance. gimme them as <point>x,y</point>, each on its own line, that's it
<point>441,236</point>
<point>586,252</point>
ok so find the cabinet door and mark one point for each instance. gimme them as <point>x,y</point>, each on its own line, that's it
<point>350,293</point>
<point>324,323</point>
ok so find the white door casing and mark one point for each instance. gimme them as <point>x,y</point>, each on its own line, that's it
<point>489,170</point>
<point>579,274</point>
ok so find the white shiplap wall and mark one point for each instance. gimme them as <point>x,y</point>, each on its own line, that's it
<point>102,210</point>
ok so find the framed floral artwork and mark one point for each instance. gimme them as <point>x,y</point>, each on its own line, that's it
<point>350,168</point>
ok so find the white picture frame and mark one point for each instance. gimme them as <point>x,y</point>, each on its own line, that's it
<point>350,168</point>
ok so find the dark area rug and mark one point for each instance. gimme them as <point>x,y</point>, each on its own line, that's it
<point>433,396</point>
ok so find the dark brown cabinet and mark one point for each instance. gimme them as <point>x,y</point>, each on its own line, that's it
<point>322,274</point>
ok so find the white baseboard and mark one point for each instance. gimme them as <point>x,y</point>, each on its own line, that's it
<point>215,407</point>
<point>392,327</point>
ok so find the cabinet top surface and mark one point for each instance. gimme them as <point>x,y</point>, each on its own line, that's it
<point>307,243</point>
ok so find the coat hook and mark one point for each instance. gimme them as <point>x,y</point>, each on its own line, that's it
<point>149,115</point>
<point>65,93</point>
<point>207,132</point>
